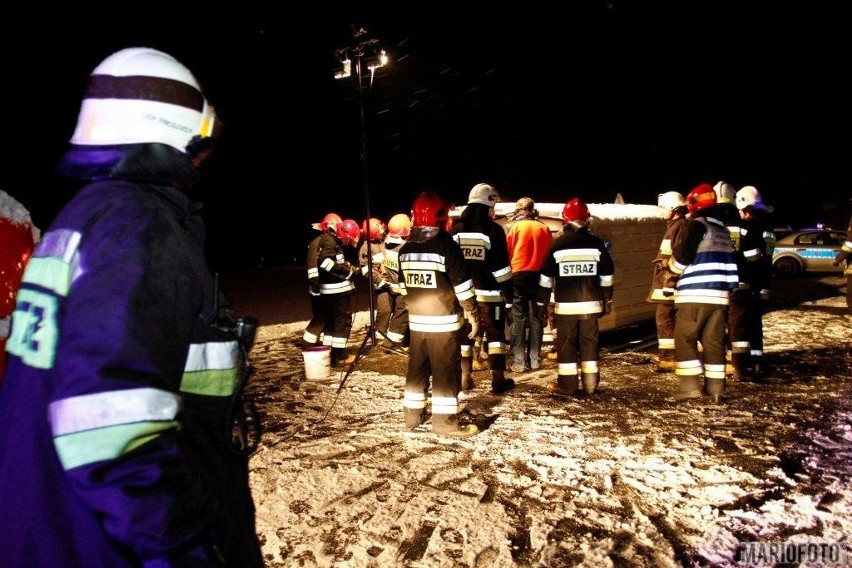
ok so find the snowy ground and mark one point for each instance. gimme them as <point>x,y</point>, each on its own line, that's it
<point>626,478</point>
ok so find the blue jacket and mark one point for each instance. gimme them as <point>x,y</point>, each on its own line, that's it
<point>113,451</point>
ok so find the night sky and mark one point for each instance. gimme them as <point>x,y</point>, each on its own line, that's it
<point>589,99</point>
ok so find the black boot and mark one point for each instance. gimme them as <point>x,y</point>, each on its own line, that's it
<point>499,383</point>
<point>665,361</point>
<point>743,372</point>
<point>340,358</point>
<point>716,389</point>
<point>690,387</point>
<point>466,377</point>
<point>590,382</point>
<point>414,417</point>
<point>566,384</point>
<point>759,370</point>
<point>449,425</point>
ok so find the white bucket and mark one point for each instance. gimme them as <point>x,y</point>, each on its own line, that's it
<point>317,362</point>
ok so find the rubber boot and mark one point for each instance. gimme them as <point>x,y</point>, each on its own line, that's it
<point>666,361</point>
<point>690,387</point>
<point>466,377</point>
<point>499,383</point>
<point>480,363</point>
<point>716,389</point>
<point>566,384</point>
<point>742,371</point>
<point>758,369</point>
<point>591,382</point>
<point>449,425</point>
<point>414,417</point>
<point>340,358</point>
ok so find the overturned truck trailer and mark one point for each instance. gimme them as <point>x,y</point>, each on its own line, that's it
<point>633,233</point>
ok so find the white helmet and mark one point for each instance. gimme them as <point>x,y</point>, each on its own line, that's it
<point>748,196</point>
<point>724,192</point>
<point>484,194</point>
<point>141,95</point>
<point>670,200</point>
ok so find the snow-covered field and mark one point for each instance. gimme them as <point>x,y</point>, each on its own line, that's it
<point>625,478</point>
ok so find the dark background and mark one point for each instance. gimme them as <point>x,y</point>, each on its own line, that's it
<point>586,99</point>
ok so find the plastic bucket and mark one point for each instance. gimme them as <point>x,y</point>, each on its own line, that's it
<point>317,362</point>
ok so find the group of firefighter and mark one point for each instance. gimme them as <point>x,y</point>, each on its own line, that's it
<point>445,286</point>
<point>711,277</point>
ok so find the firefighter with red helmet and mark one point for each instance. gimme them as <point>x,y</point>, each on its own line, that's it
<point>399,227</point>
<point>19,236</point>
<point>707,273</point>
<point>486,253</point>
<point>664,280</point>
<point>439,291</point>
<point>331,287</point>
<point>578,271</point>
<point>373,247</point>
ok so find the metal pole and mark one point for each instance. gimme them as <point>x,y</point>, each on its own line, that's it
<point>372,329</point>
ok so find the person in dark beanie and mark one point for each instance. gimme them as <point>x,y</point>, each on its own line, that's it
<point>578,271</point>
<point>528,240</point>
<point>707,273</point>
<point>124,442</point>
<point>483,243</point>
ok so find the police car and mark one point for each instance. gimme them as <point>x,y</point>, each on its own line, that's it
<point>808,250</point>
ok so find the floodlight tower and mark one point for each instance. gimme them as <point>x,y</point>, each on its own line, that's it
<point>368,56</point>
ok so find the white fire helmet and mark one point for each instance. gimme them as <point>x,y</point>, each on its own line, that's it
<point>670,200</point>
<point>724,192</point>
<point>484,194</point>
<point>748,196</point>
<point>141,95</point>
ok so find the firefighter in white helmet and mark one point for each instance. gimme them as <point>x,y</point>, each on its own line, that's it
<point>486,252</point>
<point>124,441</point>
<point>726,211</point>
<point>757,244</point>
<point>664,280</point>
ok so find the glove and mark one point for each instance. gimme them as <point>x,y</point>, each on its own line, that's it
<point>841,257</point>
<point>315,288</point>
<point>607,307</point>
<point>507,291</point>
<point>473,318</point>
<point>543,312</point>
<point>669,279</point>
<point>509,318</point>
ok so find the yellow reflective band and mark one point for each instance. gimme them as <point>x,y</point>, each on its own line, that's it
<point>92,446</point>
<point>48,272</point>
<point>209,383</point>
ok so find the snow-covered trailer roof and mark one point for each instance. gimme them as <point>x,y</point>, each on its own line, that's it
<point>633,232</point>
